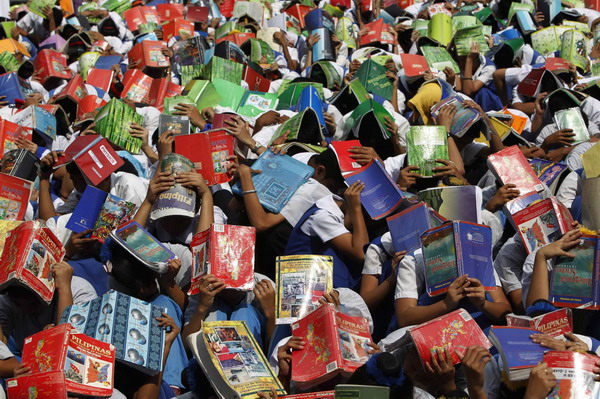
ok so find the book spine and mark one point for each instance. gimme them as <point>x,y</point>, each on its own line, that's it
<point>460,266</point>
<point>334,337</point>
<point>596,281</point>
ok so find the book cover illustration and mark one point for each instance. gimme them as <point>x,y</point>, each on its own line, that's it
<point>114,211</point>
<point>538,225</point>
<point>177,200</point>
<point>511,167</point>
<point>575,374</point>
<point>425,144</point>
<point>14,197</point>
<point>439,255</point>
<point>454,203</point>
<point>555,324</point>
<point>301,280</point>
<point>141,244</point>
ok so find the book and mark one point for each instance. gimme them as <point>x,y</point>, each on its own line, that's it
<point>100,78</point>
<point>350,96</point>
<point>136,16</point>
<point>323,49</point>
<point>136,86</point>
<point>50,64</point>
<point>192,51</point>
<point>256,81</point>
<point>289,93</point>
<point>39,119</point>
<point>336,344</point>
<point>464,38</point>
<point>318,18</point>
<point>304,127</point>
<point>378,33</point>
<point>589,158</point>
<point>219,120</point>
<point>128,323</point>
<point>11,88</point>
<point>281,176</point>
<point>311,395</point>
<point>440,28</point>
<point>113,122</point>
<point>571,118</point>
<point>159,90</point>
<point>374,79</point>
<point>176,124</point>
<point>85,365</point>
<point>439,58</point>
<point>20,163</point>
<point>301,280</point>
<point>541,223</point>
<point>150,54</point>
<point>425,144</point>
<point>574,373</point>
<point>365,119</point>
<point>198,14</point>
<point>86,108</point>
<point>100,212</point>
<point>31,251</point>
<point>414,65</point>
<point>9,132</point>
<point>550,8</point>
<point>464,117</point>
<point>242,101</point>
<point>574,281</point>
<point>548,40</point>
<point>232,360</point>
<point>552,173</point>
<point>381,196</point>
<point>362,391</point>
<point>454,202</point>
<point>511,167</point>
<point>221,68</point>
<point>93,155</point>
<point>518,352</point>
<point>14,197</point>
<point>555,323</point>
<point>8,62</point>
<point>344,157</point>
<point>13,47</point>
<point>407,226</point>
<point>177,200</point>
<point>209,151</point>
<point>202,93</point>
<point>227,252</point>
<point>590,212</point>
<point>248,9</point>
<point>178,27</point>
<point>455,331</point>
<point>518,204</point>
<point>573,48</point>
<point>455,249</point>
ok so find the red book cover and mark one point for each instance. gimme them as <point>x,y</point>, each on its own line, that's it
<point>51,64</point>
<point>9,132</point>
<point>563,215</point>
<point>136,86</point>
<point>93,155</point>
<point>226,8</point>
<point>218,120</point>
<point>100,78</point>
<point>74,90</point>
<point>137,16</point>
<point>341,3</point>
<point>311,395</point>
<point>169,11</point>
<point>161,89</point>
<point>256,82</point>
<point>555,323</point>
<point>414,65</point>
<point>198,14</point>
<point>405,3</point>
<point>539,224</point>
<point>530,85</point>
<point>335,344</point>
<point>178,27</point>
<point>378,32</point>
<point>49,385</point>
<point>299,11</point>
<point>14,197</point>
<point>149,52</point>
<point>89,104</point>
<point>29,252</point>
<point>347,164</point>
<point>209,152</point>
<point>510,166</point>
<point>574,372</point>
<point>557,65</point>
<point>456,331</point>
<point>237,38</point>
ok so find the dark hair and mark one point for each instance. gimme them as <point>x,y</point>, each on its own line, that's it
<point>388,366</point>
<point>328,159</point>
<point>127,270</point>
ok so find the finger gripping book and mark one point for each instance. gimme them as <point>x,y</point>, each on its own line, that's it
<point>424,145</point>
<point>518,352</point>
<point>177,200</point>
<point>511,167</point>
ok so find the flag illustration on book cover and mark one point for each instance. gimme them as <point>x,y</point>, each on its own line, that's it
<point>178,200</point>
<point>301,280</point>
<point>424,145</point>
<point>126,322</point>
<point>456,331</point>
<point>227,252</point>
<point>574,372</point>
<point>84,365</point>
<point>14,197</point>
<point>32,250</point>
<point>407,226</point>
<point>518,352</point>
<point>511,167</point>
<point>335,344</point>
<point>556,323</point>
<point>232,360</point>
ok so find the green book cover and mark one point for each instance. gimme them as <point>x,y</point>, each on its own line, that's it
<point>36,6</point>
<point>514,7</point>
<point>573,48</point>
<point>572,281</point>
<point>148,27</point>
<point>335,12</point>
<point>374,79</point>
<point>171,102</point>
<point>440,28</point>
<point>596,33</point>
<point>545,41</point>
<point>484,14</point>
<point>425,144</point>
<point>220,68</point>
<point>580,26</point>
<point>571,118</point>
<point>380,113</point>
<point>9,62</point>
<point>227,28</point>
<point>88,6</point>
<point>421,26</point>
<point>465,37</point>
<point>256,103</point>
<point>87,62</point>
<point>332,77</point>
<point>291,92</point>
<point>231,94</point>
<point>113,122</point>
<point>464,21</point>
<point>344,30</point>
<point>7,27</point>
<point>439,58</point>
<point>258,50</point>
<point>202,92</point>
<point>347,391</point>
<point>190,72</point>
<point>303,127</point>
<point>117,6</point>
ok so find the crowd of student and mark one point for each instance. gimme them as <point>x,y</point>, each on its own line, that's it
<point>324,216</point>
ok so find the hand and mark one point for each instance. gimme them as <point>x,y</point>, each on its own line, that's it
<point>312,40</point>
<point>456,292</point>
<point>449,169</point>
<point>46,164</point>
<point>564,137</point>
<point>168,278</point>
<point>414,36</point>
<point>209,287</point>
<point>208,113</point>
<point>193,180</point>
<point>408,177</point>
<point>442,369</point>
<point>474,361</point>
<point>26,144</point>
<point>280,38</point>
<point>167,52</point>
<point>374,348</point>
<point>595,53</point>
<point>363,155</point>
<point>352,194</point>
<point>20,370</point>
<point>332,297</point>
<point>539,17</point>
<point>354,65</point>
<point>393,77</point>
<point>445,117</point>
<point>33,99</point>
<point>548,342</point>
<point>398,256</point>
<point>240,129</point>
<point>191,112</point>
<point>245,172</point>
<point>167,323</point>
<point>541,382</point>
<point>475,50</point>
<point>532,152</point>
<point>139,132</point>
<point>474,105</point>
<point>265,293</point>
<point>232,166</point>
<point>47,11</point>
<point>272,394</point>
<point>284,355</point>
<point>561,247</point>
<point>475,292</point>
<point>62,273</point>
<point>165,143</point>
<point>573,343</point>
<point>504,194</point>
<point>330,122</point>
<point>450,75</point>
<point>391,126</point>
<point>160,182</point>
<point>79,244</point>
<point>267,119</point>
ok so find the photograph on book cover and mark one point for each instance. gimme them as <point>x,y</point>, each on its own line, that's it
<point>301,292</point>
<point>39,262</point>
<point>440,259</point>
<point>9,209</point>
<point>354,347</point>
<point>541,231</point>
<point>144,246</point>
<point>87,370</point>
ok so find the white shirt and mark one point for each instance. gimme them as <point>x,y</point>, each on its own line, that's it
<point>375,256</point>
<point>306,196</point>
<point>327,223</point>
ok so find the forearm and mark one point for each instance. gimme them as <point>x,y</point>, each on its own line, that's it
<point>476,392</point>
<point>7,367</point>
<point>207,213</point>
<point>537,123</point>
<point>292,64</point>
<point>374,297</point>
<point>150,153</point>
<point>360,236</point>
<point>141,216</point>
<point>527,108</point>
<point>47,210</point>
<point>269,326</point>
<point>65,299</point>
<point>256,213</point>
<point>538,289</point>
<point>308,59</point>
<point>194,325</point>
<point>495,140</point>
<point>173,291</point>
<point>395,97</point>
<point>454,155</point>
<point>420,314</point>
<point>496,311</point>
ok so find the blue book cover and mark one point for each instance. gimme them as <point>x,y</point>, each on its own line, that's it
<point>323,49</point>
<point>107,61</point>
<point>407,226</point>
<point>525,21</point>
<point>142,245</point>
<point>517,350</point>
<point>280,177</point>
<point>474,252</point>
<point>128,323</point>
<point>318,18</point>
<point>45,123</point>
<point>86,212</point>
<point>309,98</point>
<point>381,195</point>
<point>10,87</point>
<point>439,257</point>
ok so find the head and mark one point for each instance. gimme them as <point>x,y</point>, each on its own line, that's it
<point>176,224</point>
<point>79,182</point>
<point>25,299</point>
<point>58,17</point>
<point>132,277</point>
<point>327,170</point>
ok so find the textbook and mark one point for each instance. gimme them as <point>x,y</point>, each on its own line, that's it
<point>11,88</point>
<point>573,48</point>
<point>440,28</point>
<point>70,95</point>
<point>344,157</point>
<point>256,81</point>
<point>128,323</point>
<point>289,93</point>
<point>464,117</point>
<point>170,11</point>
<point>511,167</point>
<point>414,65</point>
<point>20,163</point>
<point>93,155</point>
<point>335,344</point>
<point>323,49</point>
<point>247,9</point>
<point>14,197</point>
<point>178,27</point>
<point>149,53</point>
<point>455,249</point>
<point>571,118</point>
<point>160,89</point>
<point>381,196</point>
<point>31,251</point>
<point>13,47</point>
<point>301,280</point>
<point>136,86</point>
<point>100,212</point>
<point>518,352</point>
<point>350,96</point>
<point>425,144</point>
<point>464,38</point>
<point>39,119</point>
<point>9,132</point>
<point>378,33</point>
<point>304,127</point>
<point>454,202</point>
<point>532,84</point>
<point>198,14</point>
<point>550,8</point>
<point>407,226</point>
<point>209,151</point>
<point>574,372</point>
<point>113,122</point>
<point>51,64</point>
<point>192,51</point>
<point>8,62</point>
<point>227,252</point>
<point>318,18</point>
<point>455,330</point>
<point>82,364</point>
<point>242,101</point>
<point>311,395</point>
<point>260,51</point>
<point>548,40</point>
<point>590,164</point>
<point>281,176</point>
<point>136,16</point>
<point>232,360</point>
<point>364,121</point>
<point>176,124</point>
<point>100,78</point>
<point>202,93</point>
<point>372,76</point>
<point>310,98</point>
<point>518,204</point>
<point>439,58</point>
<point>589,195</point>
<point>177,200</point>
<point>553,173</point>
<point>556,323</point>
<point>574,281</point>
<point>541,223</point>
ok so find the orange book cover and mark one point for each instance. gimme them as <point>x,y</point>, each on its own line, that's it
<point>169,11</point>
<point>149,52</point>
<point>518,122</point>
<point>13,46</point>
<point>178,27</point>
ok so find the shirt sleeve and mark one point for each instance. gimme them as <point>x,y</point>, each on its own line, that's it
<point>82,291</point>
<point>324,225</point>
<point>406,281</point>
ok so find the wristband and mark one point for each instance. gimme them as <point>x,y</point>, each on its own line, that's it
<point>256,147</point>
<point>249,192</point>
